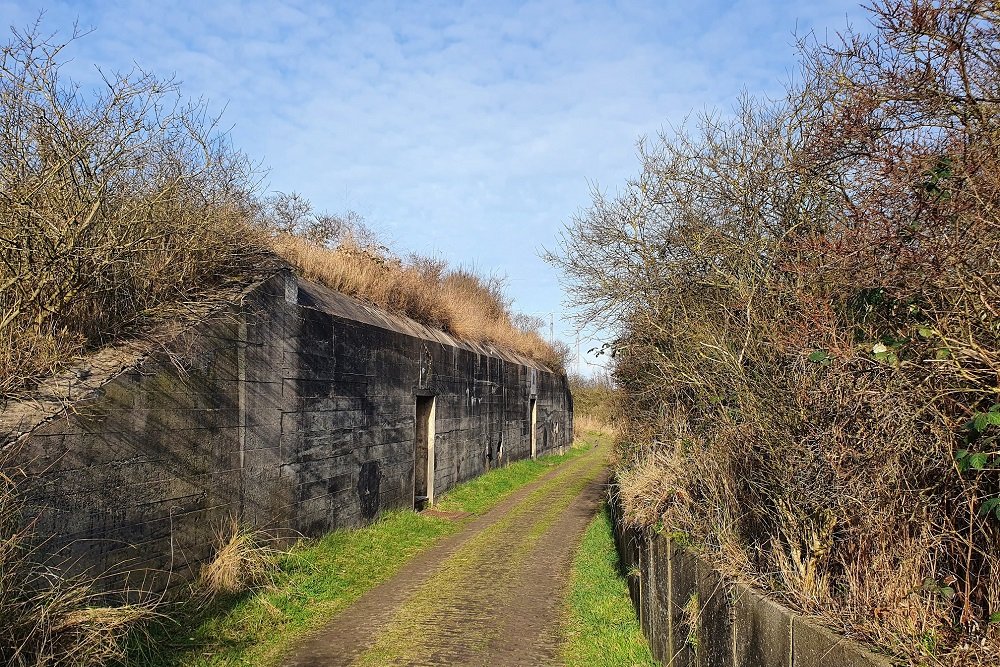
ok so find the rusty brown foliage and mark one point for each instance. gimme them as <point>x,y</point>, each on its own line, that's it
<point>805,303</point>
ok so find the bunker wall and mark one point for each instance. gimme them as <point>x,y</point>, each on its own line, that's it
<point>294,410</point>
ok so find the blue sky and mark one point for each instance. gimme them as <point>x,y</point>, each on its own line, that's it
<point>470,131</point>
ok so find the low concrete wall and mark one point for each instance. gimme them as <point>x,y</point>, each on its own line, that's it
<point>693,618</point>
<point>293,409</point>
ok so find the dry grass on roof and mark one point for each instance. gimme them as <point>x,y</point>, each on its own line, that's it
<point>457,301</point>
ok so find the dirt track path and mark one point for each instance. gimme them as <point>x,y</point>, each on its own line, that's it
<point>491,595</point>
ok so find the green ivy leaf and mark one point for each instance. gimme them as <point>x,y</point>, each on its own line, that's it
<point>995,617</point>
<point>925,332</point>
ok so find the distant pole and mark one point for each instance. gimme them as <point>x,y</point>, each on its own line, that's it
<point>552,327</point>
<point>578,353</point>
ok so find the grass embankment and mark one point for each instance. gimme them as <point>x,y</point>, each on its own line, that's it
<point>319,578</point>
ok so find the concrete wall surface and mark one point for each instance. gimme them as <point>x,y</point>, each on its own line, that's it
<point>293,409</point>
<point>692,617</point>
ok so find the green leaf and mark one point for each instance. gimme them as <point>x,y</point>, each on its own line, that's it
<point>820,357</point>
<point>942,353</point>
<point>925,332</point>
<point>887,357</point>
<point>991,505</point>
<point>978,460</point>
<point>995,617</point>
<point>947,592</point>
<point>993,418</point>
<point>980,421</point>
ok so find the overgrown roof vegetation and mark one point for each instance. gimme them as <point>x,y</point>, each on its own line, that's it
<point>806,306</point>
<point>120,205</point>
<point>341,252</point>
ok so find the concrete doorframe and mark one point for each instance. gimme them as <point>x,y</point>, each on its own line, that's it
<point>534,427</point>
<point>425,411</point>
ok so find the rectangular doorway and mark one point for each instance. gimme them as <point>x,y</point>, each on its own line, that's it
<point>533,408</point>
<point>423,453</point>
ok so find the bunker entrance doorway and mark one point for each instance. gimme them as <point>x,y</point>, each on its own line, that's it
<point>533,411</point>
<point>423,453</point>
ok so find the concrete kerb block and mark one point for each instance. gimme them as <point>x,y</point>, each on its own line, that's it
<point>816,646</point>
<point>716,638</point>
<point>648,578</point>
<point>659,558</point>
<point>762,630</point>
<point>685,633</point>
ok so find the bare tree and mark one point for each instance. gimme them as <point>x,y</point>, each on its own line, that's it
<point>113,201</point>
<point>802,300</point>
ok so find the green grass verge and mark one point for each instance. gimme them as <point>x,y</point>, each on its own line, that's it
<point>319,578</point>
<point>482,493</point>
<point>602,629</point>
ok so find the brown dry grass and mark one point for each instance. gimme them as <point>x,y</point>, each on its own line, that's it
<point>244,560</point>
<point>49,620</point>
<point>586,423</point>
<point>458,301</point>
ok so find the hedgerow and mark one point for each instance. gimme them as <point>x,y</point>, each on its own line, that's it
<point>805,302</point>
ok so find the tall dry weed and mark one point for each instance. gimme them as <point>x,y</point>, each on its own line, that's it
<point>50,620</point>
<point>244,560</point>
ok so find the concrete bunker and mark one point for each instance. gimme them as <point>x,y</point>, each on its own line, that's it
<point>295,408</point>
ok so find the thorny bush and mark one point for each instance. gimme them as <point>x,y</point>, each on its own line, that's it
<point>806,306</point>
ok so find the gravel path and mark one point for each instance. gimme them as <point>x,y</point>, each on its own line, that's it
<point>491,595</point>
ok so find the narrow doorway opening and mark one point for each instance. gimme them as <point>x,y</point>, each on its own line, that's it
<point>534,422</point>
<point>423,453</point>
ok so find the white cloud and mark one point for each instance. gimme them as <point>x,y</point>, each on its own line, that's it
<point>469,129</point>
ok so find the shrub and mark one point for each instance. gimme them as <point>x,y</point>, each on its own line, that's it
<point>117,204</point>
<point>807,341</point>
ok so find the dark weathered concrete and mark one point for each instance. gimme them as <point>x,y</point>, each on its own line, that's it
<point>293,409</point>
<point>692,617</point>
